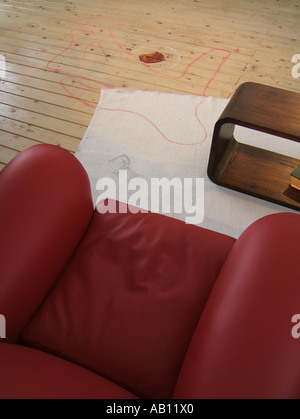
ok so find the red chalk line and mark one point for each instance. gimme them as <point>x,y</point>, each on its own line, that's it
<point>83,80</point>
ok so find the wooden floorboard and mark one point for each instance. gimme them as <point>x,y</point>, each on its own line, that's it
<point>59,54</point>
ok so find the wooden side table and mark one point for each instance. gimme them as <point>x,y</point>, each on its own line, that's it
<point>252,170</point>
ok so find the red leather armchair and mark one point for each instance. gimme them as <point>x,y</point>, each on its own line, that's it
<point>122,305</point>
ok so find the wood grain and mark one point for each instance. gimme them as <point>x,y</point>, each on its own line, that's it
<point>59,55</point>
<point>254,170</point>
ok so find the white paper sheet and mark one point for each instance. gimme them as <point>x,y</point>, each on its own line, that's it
<point>169,135</point>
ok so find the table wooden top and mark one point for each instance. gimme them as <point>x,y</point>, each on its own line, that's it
<point>265,108</point>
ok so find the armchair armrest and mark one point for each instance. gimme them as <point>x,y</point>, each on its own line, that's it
<point>243,345</point>
<point>45,209</point>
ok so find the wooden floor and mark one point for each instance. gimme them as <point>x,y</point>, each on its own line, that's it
<point>57,55</point>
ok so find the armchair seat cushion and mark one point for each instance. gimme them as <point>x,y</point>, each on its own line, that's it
<point>31,374</point>
<point>128,303</point>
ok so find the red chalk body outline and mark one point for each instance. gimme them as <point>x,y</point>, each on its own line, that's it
<point>83,80</point>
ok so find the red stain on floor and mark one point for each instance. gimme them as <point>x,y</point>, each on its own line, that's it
<point>89,82</point>
<point>154,57</point>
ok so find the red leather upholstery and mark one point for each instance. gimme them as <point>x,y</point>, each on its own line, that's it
<point>129,301</point>
<point>138,304</point>
<point>27,373</point>
<point>45,209</point>
<point>243,347</point>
